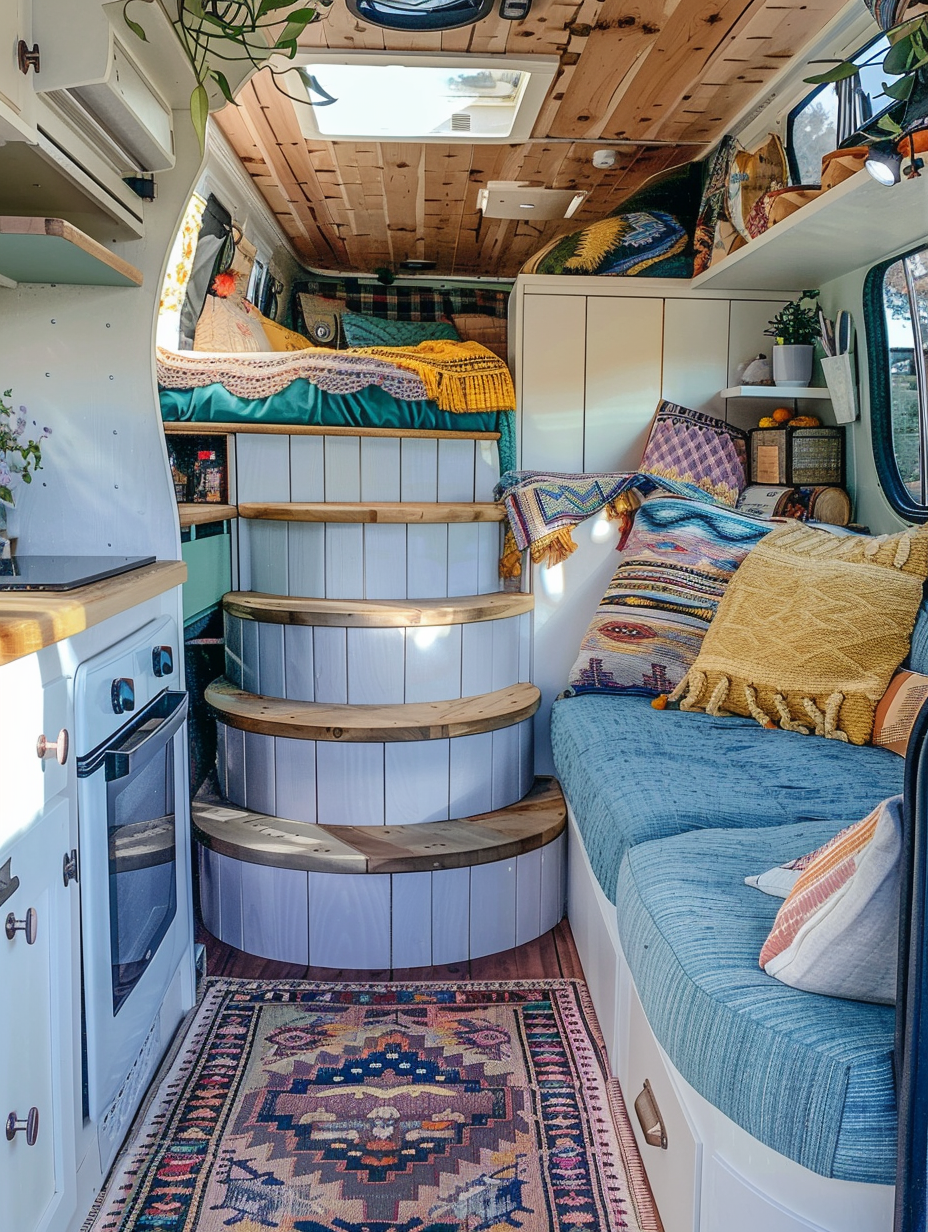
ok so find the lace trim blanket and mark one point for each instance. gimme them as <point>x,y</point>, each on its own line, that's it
<point>251,376</point>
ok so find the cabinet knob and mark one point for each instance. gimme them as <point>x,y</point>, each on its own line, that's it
<point>650,1119</point>
<point>162,660</point>
<point>27,59</point>
<point>69,871</point>
<point>58,749</point>
<point>29,1127</point>
<point>29,926</point>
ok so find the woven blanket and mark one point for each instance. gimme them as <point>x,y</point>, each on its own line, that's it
<point>543,506</point>
<point>459,376</point>
<point>250,375</point>
<point>384,1108</point>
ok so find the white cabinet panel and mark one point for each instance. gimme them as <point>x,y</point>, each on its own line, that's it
<point>412,920</point>
<point>330,665</point>
<point>268,552</point>
<point>471,775</point>
<point>344,561</point>
<point>296,779</point>
<point>506,772</point>
<point>380,468</point>
<point>419,469</point>
<point>463,558</point>
<point>492,908</point>
<point>450,915</point>
<point>426,561</point>
<point>696,353</point>
<point>486,470</point>
<point>375,666</point>
<point>349,920</point>
<point>234,746</point>
<point>298,650</point>
<point>262,467</point>
<point>528,896</point>
<point>477,658</point>
<point>553,883</point>
<point>505,652</point>
<point>306,560</point>
<point>251,662</point>
<point>385,562</point>
<point>433,663</point>
<point>271,659</point>
<point>416,781</point>
<point>209,891</point>
<point>260,777</point>
<point>230,898</point>
<point>552,393</point>
<point>342,468</point>
<point>623,380</point>
<point>274,913</point>
<point>456,470</point>
<point>349,785</point>
<point>489,543</point>
<point>307,479</point>
<point>232,634</point>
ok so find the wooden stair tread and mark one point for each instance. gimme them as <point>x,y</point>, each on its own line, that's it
<point>465,716</point>
<point>191,513</point>
<point>256,838</point>
<point>376,613</point>
<point>372,511</point>
<point>209,428</point>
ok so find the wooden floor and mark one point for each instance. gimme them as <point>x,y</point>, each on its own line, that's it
<point>551,956</point>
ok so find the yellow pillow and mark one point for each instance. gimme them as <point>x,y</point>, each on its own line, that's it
<point>810,630</point>
<point>280,338</point>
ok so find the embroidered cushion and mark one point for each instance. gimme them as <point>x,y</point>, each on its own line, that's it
<point>676,563</point>
<point>226,327</point>
<point>810,631</point>
<point>779,881</point>
<point>837,932</point>
<point>695,448</point>
<point>751,174</point>
<point>364,331</point>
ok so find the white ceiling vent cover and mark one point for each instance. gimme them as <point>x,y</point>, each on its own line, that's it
<point>515,199</point>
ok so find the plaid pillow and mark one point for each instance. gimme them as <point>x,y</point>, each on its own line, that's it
<point>694,448</point>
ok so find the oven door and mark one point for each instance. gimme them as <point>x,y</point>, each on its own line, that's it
<point>129,858</point>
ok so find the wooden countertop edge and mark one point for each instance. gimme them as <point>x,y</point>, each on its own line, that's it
<point>33,620</point>
<point>206,428</point>
<point>376,613</point>
<point>392,512</point>
<point>194,513</point>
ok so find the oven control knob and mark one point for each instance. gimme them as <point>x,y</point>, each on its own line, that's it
<point>162,661</point>
<point>122,694</point>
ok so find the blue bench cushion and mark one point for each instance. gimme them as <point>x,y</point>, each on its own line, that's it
<point>632,774</point>
<point>810,1076</point>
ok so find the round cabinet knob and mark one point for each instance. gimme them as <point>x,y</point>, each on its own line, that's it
<point>58,749</point>
<point>29,926</point>
<point>162,661</point>
<point>29,1127</point>
<point>122,694</point>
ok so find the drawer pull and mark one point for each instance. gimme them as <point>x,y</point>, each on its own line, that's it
<point>69,870</point>
<point>29,926</point>
<point>30,1127</point>
<point>649,1116</point>
<point>58,749</point>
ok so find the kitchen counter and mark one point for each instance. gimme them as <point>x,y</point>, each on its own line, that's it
<point>31,620</point>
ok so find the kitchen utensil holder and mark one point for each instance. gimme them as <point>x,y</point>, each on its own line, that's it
<point>838,371</point>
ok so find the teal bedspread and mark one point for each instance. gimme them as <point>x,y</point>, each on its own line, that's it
<point>303,403</point>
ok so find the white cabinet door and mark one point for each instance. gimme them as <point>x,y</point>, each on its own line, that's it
<point>33,703</point>
<point>17,99</point>
<point>37,1182</point>
<point>551,397</point>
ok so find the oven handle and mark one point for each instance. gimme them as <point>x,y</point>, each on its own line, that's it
<point>121,753</point>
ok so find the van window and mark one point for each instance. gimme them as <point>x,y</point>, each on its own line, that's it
<point>833,113</point>
<point>896,304</point>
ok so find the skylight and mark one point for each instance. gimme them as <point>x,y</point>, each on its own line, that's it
<point>421,98</point>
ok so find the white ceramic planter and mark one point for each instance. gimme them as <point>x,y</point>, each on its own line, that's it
<point>792,365</point>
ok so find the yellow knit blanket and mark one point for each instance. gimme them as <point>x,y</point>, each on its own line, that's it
<point>459,376</point>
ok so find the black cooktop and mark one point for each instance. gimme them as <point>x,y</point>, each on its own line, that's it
<point>64,572</point>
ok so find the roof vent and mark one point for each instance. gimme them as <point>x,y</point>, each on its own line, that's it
<point>460,122</point>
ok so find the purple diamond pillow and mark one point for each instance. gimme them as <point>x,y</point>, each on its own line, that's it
<point>690,447</point>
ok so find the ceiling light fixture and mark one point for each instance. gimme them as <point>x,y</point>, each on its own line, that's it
<point>508,198</point>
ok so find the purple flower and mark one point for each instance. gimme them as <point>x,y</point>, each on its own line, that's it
<point>20,425</point>
<point>46,432</point>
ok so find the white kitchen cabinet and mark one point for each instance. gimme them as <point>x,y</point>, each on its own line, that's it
<point>17,95</point>
<point>37,1180</point>
<point>33,704</point>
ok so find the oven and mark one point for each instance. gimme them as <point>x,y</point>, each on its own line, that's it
<point>136,920</point>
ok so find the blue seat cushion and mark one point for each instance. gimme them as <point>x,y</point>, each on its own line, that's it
<point>810,1076</point>
<point>633,773</point>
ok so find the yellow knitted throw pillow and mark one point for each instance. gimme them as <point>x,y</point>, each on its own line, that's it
<point>810,630</point>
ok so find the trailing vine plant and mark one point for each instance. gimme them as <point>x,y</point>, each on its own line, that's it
<point>211,31</point>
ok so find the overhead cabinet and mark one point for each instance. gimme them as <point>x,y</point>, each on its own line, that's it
<point>17,98</point>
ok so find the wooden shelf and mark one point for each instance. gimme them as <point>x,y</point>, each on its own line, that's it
<point>376,613</point>
<point>466,716</point>
<point>193,427</point>
<point>774,391</point>
<point>383,511</point>
<point>200,513</point>
<point>52,250</point>
<point>844,229</point>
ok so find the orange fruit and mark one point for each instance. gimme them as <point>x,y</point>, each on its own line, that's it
<point>767,422</point>
<point>782,414</point>
<point>806,421</point>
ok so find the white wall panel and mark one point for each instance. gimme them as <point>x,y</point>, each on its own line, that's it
<point>298,651</point>
<point>384,562</point>
<point>553,881</point>
<point>456,470</point>
<point>349,920</point>
<point>307,476</point>
<point>271,659</point>
<point>251,661</point>
<point>349,784</point>
<point>490,541</point>
<point>746,340</point>
<point>505,652</point>
<point>463,558</point>
<point>263,467</point>
<point>526,757</point>
<point>507,775</point>
<point>426,561</point>
<point>412,920</point>
<point>344,561</point>
<point>492,908</point>
<point>296,779</point>
<point>418,469</point>
<point>696,353</point>
<point>260,776</point>
<point>486,470</point>
<point>471,775</point>
<point>552,386</point>
<point>528,896</point>
<point>623,380</point>
<point>268,550</point>
<point>330,665</point>
<point>525,647</point>
<point>232,635</point>
<point>306,554</point>
<point>477,658</point>
<point>380,468</point>
<point>375,666</point>
<point>234,745</point>
<point>275,920</point>
<point>416,781</point>
<point>433,663</point>
<point>230,898</point>
<point>342,468</point>
<point>450,915</point>
<point>209,891</point>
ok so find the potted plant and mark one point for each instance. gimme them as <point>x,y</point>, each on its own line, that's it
<point>795,328</point>
<point>19,457</point>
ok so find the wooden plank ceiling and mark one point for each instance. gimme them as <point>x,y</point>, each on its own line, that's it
<point>666,70</point>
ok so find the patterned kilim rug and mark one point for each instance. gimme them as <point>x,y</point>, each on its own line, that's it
<point>383,1108</point>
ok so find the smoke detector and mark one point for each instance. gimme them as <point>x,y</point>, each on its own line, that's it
<point>604,159</point>
<point>516,199</point>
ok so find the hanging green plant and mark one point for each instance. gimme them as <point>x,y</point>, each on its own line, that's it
<point>212,31</point>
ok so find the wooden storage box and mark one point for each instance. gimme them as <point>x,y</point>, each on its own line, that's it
<point>798,456</point>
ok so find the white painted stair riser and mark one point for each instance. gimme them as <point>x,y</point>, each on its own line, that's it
<point>338,560</point>
<point>366,666</point>
<point>401,782</point>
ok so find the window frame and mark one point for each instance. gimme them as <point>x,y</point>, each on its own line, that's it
<point>878,363</point>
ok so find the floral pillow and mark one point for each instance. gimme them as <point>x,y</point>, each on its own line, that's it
<point>673,570</point>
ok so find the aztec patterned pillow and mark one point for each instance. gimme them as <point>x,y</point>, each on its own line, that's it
<point>364,331</point>
<point>837,932</point>
<point>694,448</point>
<point>672,573</point>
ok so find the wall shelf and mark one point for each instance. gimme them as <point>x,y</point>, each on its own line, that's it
<point>203,513</point>
<point>782,392</point>
<point>52,250</point>
<point>848,227</point>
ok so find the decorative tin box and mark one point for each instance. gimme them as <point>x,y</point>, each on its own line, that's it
<point>797,456</point>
